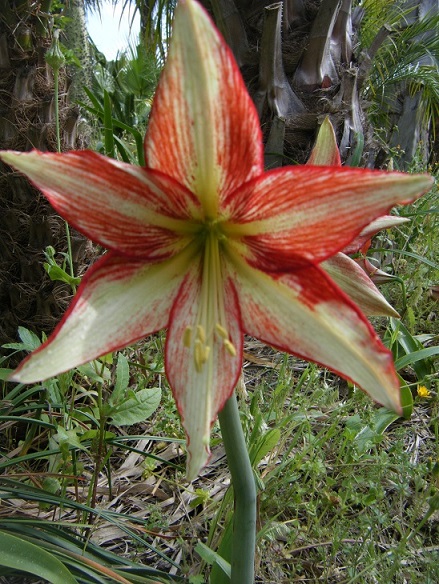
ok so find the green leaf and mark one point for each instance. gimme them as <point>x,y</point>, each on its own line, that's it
<point>29,338</point>
<point>51,485</point>
<point>89,370</point>
<point>94,100</point>
<point>93,434</point>
<point>406,400</point>
<point>107,359</point>
<point>416,357</point>
<point>411,346</point>
<point>30,341</point>
<point>409,254</point>
<point>122,379</point>
<point>5,373</point>
<point>99,113</point>
<point>122,149</point>
<point>264,445</point>
<point>368,434</point>
<point>217,574</point>
<point>355,157</point>
<point>57,274</point>
<point>137,407</point>
<point>383,418</point>
<point>211,558</point>
<point>19,554</point>
<point>68,437</point>
<point>108,126</point>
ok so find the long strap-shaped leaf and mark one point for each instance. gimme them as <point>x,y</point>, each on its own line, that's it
<point>19,554</point>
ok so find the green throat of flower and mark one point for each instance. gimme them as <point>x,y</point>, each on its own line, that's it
<point>210,329</point>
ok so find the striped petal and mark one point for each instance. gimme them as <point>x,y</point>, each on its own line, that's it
<point>201,387</point>
<point>296,215</point>
<point>353,280</point>
<point>119,302</point>
<point>306,314</point>
<point>203,130</point>
<point>123,207</point>
<point>385,222</point>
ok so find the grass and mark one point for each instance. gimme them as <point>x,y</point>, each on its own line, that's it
<point>347,493</point>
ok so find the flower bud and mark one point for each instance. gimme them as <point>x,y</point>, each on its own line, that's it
<point>54,56</point>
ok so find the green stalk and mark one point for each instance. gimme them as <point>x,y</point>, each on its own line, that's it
<point>56,91</point>
<point>58,147</point>
<point>55,59</point>
<point>244,489</point>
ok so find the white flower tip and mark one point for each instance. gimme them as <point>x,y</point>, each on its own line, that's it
<point>9,156</point>
<point>35,368</point>
<point>198,457</point>
<point>422,183</point>
<point>392,401</point>
<point>24,376</point>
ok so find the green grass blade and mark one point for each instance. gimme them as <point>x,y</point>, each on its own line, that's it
<point>409,254</point>
<point>211,557</point>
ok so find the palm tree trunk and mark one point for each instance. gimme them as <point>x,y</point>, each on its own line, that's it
<point>28,224</point>
<point>297,60</point>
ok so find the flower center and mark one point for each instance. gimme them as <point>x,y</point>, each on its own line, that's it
<point>211,323</point>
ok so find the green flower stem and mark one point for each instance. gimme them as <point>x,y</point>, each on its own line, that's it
<point>58,147</point>
<point>56,91</point>
<point>244,488</point>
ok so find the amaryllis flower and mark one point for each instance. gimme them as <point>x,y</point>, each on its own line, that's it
<point>204,243</point>
<point>355,277</point>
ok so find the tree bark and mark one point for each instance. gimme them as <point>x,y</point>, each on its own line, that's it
<point>28,224</point>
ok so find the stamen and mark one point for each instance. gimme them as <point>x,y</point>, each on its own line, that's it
<point>221,331</point>
<point>198,355</point>
<point>187,336</point>
<point>201,354</point>
<point>230,347</point>
<point>201,333</point>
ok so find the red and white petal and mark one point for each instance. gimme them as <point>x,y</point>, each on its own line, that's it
<point>304,214</point>
<point>203,129</point>
<point>201,391</point>
<point>325,151</point>
<point>127,208</point>
<point>353,280</point>
<point>306,314</point>
<point>385,222</point>
<point>119,302</point>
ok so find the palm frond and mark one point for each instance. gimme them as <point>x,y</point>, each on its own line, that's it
<point>409,57</point>
<point>155,21</point>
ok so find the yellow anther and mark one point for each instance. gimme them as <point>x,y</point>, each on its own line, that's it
<point>201,354</point>
<point>221,331</point>
<point>230,347</point>
<point>206,353</point>
<point>201,333</point>
<point>187,336</point>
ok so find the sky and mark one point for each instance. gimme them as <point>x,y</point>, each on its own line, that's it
<point>109,33</point>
